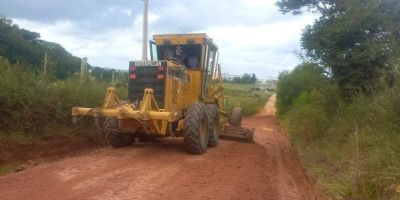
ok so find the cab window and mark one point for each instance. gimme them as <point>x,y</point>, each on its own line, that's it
<point>186,54</point>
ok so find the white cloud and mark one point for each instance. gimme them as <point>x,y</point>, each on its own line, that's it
<point>112,48</point>
<point>264,49</point>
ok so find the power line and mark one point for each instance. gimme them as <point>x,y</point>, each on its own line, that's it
<point>166,16</point>
<point>172,24</point>
<point>171,28</point>
<point>168,19</point>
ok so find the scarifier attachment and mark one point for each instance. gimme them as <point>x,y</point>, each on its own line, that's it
<point>238,133</point>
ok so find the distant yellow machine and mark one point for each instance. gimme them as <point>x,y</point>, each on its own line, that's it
<point>179,92</point>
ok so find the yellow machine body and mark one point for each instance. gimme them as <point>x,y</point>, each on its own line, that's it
<point>183,86</point>
<point>179,92</point>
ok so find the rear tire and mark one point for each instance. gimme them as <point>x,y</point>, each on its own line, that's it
<point>213,125</point>
<point>236,116</point>
<point>117,140</point>
<point>195,135</point>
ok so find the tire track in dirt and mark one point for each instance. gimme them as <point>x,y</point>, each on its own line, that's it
<point>287,185</point>
<point>292,181</point>
<point>141,186</point>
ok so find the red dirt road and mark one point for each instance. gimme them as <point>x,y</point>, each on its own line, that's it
<point>269,169</point>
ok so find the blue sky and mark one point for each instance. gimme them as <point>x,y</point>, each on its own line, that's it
<point>253,36</point>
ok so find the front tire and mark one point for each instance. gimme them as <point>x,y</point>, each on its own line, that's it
<point>195,135</point>
<point>213,125</point>
<point>236,116</point>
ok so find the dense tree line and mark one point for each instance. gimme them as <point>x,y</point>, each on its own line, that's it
<point>26,48</point>
<point>106,75</point>
<point>244,79</point>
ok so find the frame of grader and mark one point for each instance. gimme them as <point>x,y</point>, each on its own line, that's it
<point>179,92</point>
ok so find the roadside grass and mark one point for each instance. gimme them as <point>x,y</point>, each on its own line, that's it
<point>353,155</point>
<point>351,148</point>
<point>35,114</point>
<point>243,95</point>
<point>30,102</point>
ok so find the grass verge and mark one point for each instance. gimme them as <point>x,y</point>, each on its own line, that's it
<point>351,147</point>
<point>244,95</point>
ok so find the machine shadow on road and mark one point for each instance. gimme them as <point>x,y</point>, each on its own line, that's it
<point>172,145</point>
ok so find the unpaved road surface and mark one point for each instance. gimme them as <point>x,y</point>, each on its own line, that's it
<point>269,169</point>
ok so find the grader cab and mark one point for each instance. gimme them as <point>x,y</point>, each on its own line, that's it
<point>178,93</point>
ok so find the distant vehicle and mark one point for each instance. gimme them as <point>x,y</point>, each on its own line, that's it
<point>266,85</point>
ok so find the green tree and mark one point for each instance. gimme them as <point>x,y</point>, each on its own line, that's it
<point>25,47</point>
<point>236,79</point>
<point>356,41</point>
<point>297,7</point>
<point>102,74</point>
<point>253,79</point>
<point>245,79</point>
<point>291,84</point>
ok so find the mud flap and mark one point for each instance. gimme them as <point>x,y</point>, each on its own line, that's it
<point>238,134</point>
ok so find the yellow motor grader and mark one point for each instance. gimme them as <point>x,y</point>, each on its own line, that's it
<point>179,92</point>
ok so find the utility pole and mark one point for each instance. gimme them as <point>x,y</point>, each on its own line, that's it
<point>45,64</point>
<point>83,70</point>
<point>145,13</point>
<point>113,78</point>
<point>86,70</point>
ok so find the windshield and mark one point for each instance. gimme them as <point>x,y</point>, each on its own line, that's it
<point>186,54</point>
